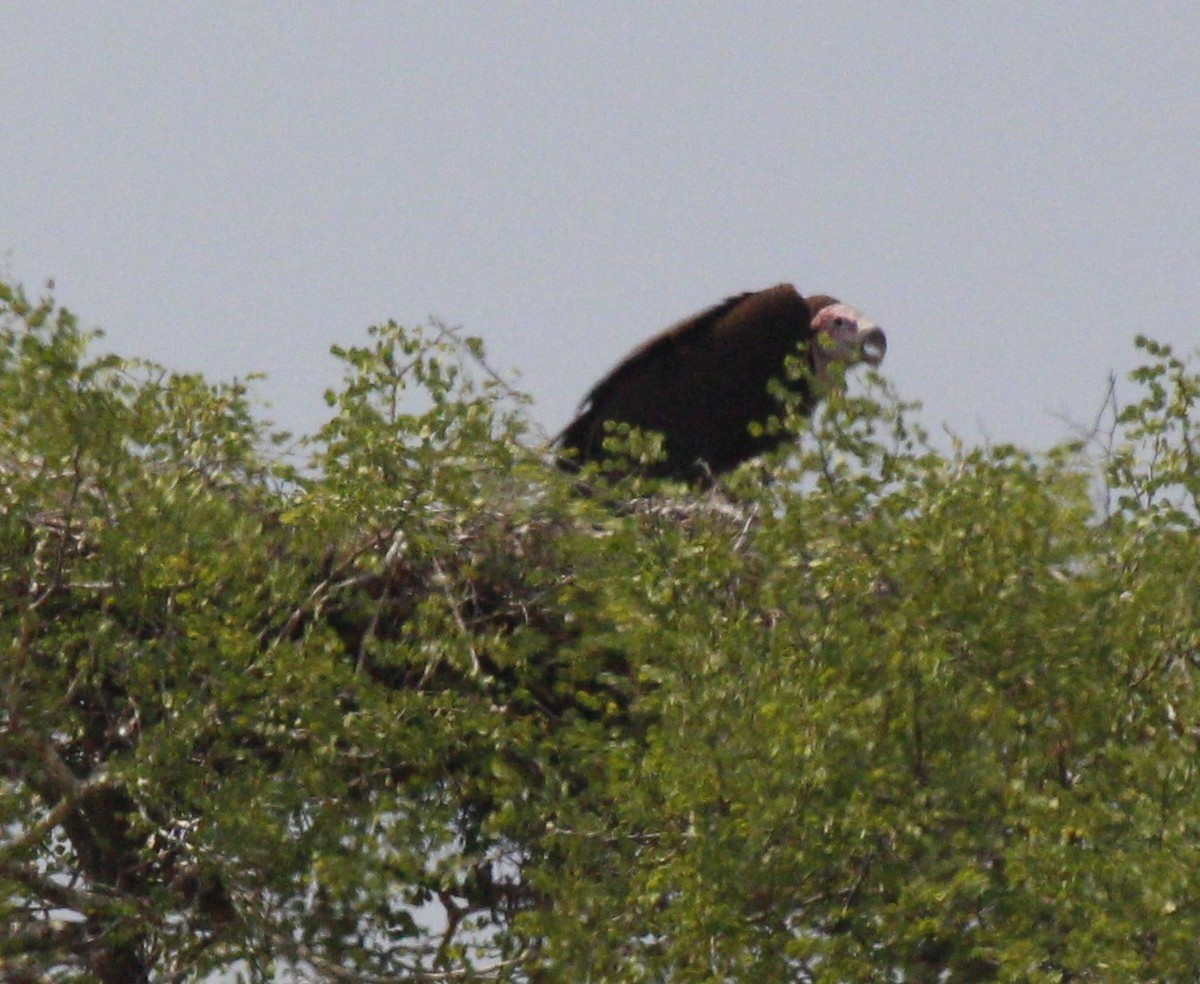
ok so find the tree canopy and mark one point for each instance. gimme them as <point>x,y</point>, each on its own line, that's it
<point>418,706</point>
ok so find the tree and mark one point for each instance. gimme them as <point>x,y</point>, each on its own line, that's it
<point>422,711</point>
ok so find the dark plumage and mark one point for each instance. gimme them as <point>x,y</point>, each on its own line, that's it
<point>703,382</point>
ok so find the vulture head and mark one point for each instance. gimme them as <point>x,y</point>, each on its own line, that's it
<point>842,335</point>
<point>704,381</point>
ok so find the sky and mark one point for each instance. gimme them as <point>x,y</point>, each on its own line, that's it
<point>1011,189</point>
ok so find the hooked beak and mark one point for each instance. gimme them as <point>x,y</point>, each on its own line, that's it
<point>872,343</point>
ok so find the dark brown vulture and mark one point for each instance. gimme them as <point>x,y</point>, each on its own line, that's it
<point>703,382</point>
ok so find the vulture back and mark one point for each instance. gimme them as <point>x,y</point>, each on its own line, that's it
<point>701,383</point>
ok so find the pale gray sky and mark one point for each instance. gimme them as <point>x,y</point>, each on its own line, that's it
<point>1011,189</point>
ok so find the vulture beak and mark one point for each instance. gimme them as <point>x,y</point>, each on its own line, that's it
<point>872,342</point>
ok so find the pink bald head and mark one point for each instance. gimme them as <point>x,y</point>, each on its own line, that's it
<point>841,334</point>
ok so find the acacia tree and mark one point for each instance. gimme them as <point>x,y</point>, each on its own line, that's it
<point>424,711</point>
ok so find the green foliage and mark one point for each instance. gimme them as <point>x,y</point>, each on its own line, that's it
<point>431,709</point>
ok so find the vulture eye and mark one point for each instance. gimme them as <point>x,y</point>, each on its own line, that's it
<point>840,322</point>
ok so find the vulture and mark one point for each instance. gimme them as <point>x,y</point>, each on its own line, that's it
<point>704,381</point>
